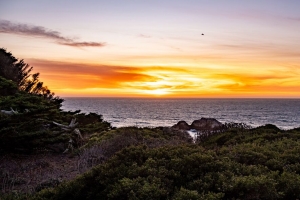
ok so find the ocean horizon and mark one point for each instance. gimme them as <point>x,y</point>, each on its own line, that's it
<point>154,112</point>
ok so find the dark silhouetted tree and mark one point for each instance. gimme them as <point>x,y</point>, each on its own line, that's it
<point>18,71</point>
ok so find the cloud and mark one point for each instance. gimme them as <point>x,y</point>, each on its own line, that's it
<point>69,78</point>
<point>39,31</point>
<point>81,76</point>
<point>243,77</point>
<point>259,89</point>
<point>144,36</point>
<point>297,19</point>
<point>83,44</point>
<point>66,77</point>
<point>274,82</point>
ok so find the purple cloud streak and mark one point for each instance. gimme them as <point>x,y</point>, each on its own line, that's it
<point>39,31</point>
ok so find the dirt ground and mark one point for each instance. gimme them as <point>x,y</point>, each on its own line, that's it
<point>31,173</point>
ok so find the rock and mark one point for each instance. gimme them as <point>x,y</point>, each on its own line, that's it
<point>182,125</point>
<point>209,124</point>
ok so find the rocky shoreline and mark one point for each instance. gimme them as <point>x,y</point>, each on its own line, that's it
<point>203,124</point>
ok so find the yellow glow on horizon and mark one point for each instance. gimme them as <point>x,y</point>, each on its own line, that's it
<point>156,92</point>
<point>207,80</point>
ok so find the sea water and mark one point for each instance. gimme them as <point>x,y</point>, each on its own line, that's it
<point>153,112</point>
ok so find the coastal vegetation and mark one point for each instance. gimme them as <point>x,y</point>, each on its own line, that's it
<point>28,109</point>
<point>237,162</point>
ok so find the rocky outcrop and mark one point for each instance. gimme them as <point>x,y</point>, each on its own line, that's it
<point>209,124</point>
<point>182,125</point>
<point>203,124</point>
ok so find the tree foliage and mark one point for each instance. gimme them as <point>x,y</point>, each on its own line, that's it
<point>13,69</point>
<point>31,126</point>
<point>19,72</point>
<point>256,167</point>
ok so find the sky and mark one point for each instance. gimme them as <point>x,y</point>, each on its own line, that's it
<point>158,48</point>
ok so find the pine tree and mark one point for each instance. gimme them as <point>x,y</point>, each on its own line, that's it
<point>19,72</point>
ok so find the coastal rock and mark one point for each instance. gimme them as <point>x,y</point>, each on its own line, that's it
<point>182,125</point>
<point>210,124</point>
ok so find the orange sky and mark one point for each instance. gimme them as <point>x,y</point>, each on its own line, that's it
<point>156,49</point>
<point>165,81</point>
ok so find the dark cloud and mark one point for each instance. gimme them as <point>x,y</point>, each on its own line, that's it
<point>39,31</point>
<point>24,29</point>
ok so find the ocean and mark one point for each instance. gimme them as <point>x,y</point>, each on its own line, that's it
<point>152,112</point>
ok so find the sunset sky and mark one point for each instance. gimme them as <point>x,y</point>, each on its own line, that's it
<point>158,48</point>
